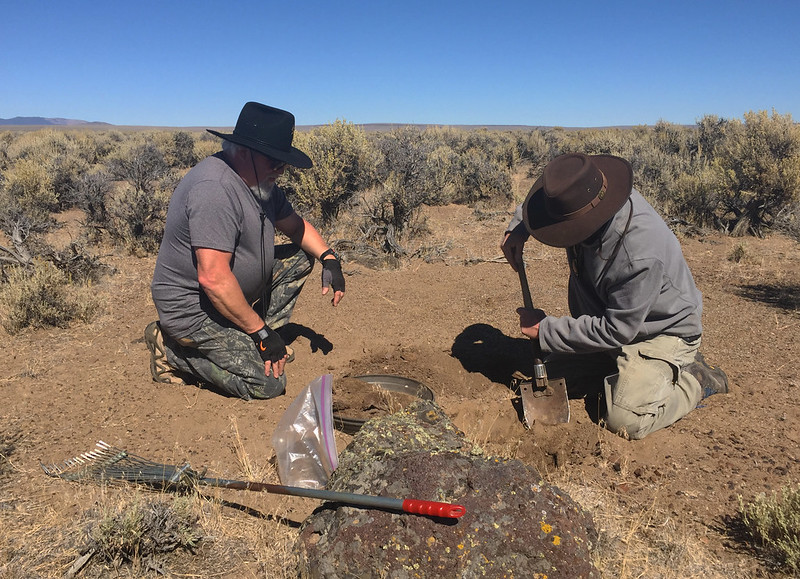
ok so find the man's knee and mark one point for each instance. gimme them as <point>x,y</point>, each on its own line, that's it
<point>270,388</point>
<point>625,423</point>
<point>247,385</point>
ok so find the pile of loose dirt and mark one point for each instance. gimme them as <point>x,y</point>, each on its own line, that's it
<point>358,400</point>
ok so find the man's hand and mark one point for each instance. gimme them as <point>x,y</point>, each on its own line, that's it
<point>512,246</point>
<point>529,322</point>
<point>302,233</point>
<point>272,349</point>
<point>332,276</point>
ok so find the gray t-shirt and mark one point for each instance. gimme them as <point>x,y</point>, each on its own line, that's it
<point>212,208</point>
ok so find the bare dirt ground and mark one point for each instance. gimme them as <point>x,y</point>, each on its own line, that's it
<point>450,324</point>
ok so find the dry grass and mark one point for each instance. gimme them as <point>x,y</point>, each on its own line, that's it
<point>481,433</point>
<point>34,368</point>
<point>250,469</point>
<point>738,253</point>
<point>128,531</point>
<point>644,541</point>
<point>390,401</point>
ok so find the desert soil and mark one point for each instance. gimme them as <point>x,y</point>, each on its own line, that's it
<point>450,324</point>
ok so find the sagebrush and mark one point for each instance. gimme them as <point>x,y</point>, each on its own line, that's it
<point>740,176</point>
<point>773,522</point>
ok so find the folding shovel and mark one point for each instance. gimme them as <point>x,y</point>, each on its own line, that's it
<point>543,400</point>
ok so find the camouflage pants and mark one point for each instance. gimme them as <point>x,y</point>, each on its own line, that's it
<point>643,385</point>
<point>225,357</point>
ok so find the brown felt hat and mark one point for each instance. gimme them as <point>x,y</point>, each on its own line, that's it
<point>575,196</point>
<point>269,131</point>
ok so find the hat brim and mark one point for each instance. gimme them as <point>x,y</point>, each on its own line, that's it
<point>558,232</point>
<point>293,156</point>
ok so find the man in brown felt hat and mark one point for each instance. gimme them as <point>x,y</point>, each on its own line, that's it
<point>635,310</point>
<point>221,286</point>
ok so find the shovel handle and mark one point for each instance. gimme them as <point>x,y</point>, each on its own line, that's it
<point>523,281</point>
<point>527,301</point>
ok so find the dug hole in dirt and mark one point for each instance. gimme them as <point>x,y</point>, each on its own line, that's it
<point>451,325</point>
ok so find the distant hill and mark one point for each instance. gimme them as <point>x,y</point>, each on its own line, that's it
<point>380,127</point>
<point>369,127</point>
<point>47,121</point>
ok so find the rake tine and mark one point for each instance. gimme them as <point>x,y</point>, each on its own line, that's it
<point>88,463</point>
<point>109,463</point>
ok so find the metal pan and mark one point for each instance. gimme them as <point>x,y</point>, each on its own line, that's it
<point>390,383</point>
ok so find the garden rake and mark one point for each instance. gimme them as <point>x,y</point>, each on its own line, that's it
<point>105,462</point>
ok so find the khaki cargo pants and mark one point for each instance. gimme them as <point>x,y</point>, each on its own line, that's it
<point>644,386</point>
<point>225,357</point>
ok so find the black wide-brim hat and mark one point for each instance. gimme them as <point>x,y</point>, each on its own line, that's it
<point>269,131</point>
<point>575,196</point>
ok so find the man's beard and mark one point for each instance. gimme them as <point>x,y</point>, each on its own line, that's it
<point>263,191</point>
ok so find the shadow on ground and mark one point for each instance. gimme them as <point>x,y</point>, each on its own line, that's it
<point>485,349</point>
<point>291,331</point>
<point>783,296</point>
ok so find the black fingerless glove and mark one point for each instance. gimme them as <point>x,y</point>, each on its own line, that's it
<point>269,344</point>
<point>332,271</point>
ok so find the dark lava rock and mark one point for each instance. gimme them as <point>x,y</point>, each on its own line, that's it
<point>515,525</point>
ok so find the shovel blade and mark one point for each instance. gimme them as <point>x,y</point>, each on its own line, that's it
<point>548,405</point>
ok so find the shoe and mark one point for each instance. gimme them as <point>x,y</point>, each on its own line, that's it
<point>290,354</point>
<point>160,369</point>
<point>712,379</point>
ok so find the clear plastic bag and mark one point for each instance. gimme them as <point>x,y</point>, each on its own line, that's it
<point>304,441</point>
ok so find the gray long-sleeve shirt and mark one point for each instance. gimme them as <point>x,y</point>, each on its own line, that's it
<point>647,289</point>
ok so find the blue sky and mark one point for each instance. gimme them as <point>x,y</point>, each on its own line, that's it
<point>568,63</point>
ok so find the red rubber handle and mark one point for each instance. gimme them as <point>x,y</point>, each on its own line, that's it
<point>433,508</point>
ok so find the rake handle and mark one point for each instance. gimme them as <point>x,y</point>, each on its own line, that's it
<point>433,508</point>
<point>415,506</point>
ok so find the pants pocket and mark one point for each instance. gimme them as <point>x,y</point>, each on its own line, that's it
<point>646,379</point>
